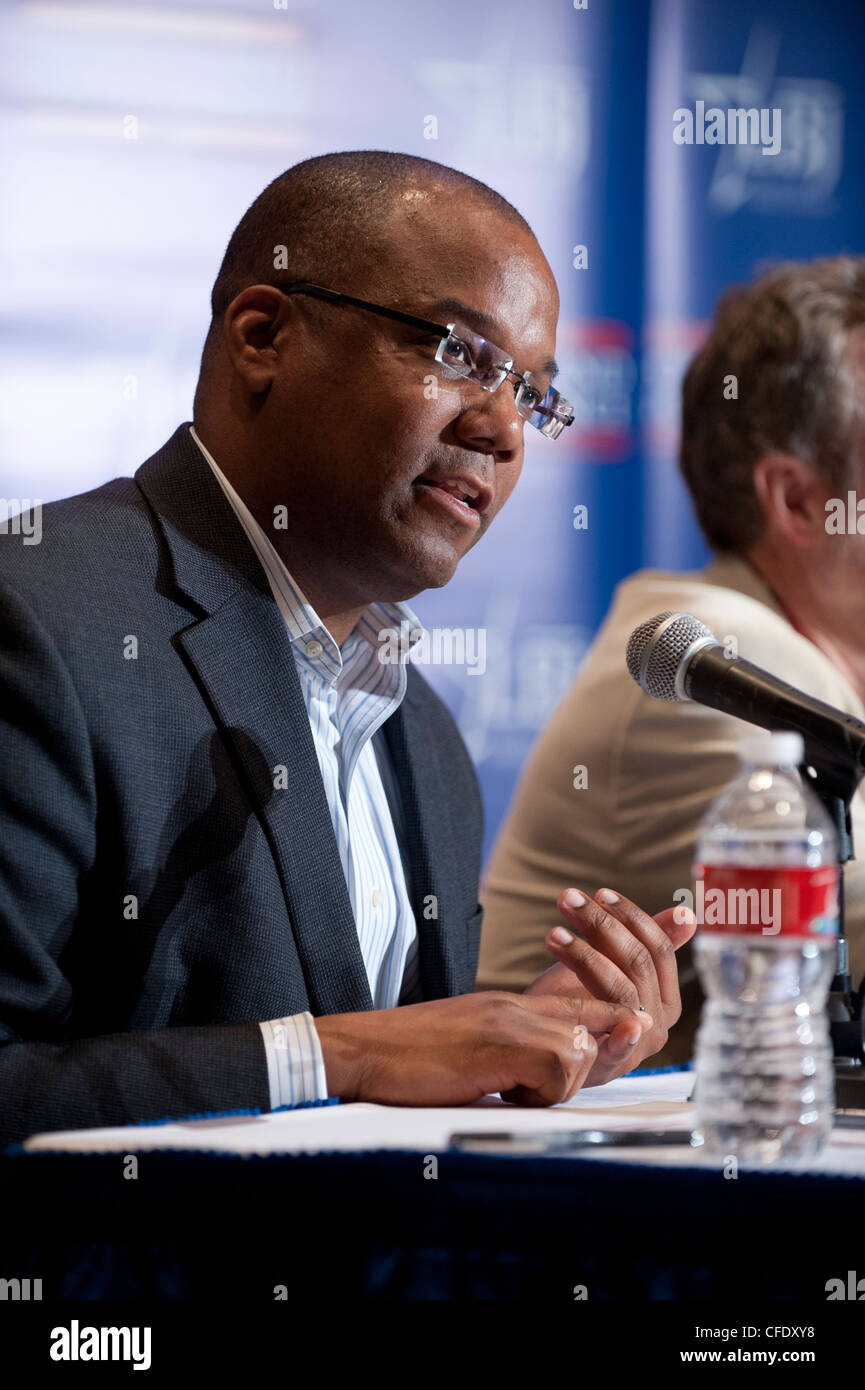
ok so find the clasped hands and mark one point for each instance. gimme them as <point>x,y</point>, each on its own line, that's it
<point>607,1003</point>
<point>623,956</point>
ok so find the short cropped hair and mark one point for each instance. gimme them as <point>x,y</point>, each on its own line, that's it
<point>788,339</point>
<point>330,214</point>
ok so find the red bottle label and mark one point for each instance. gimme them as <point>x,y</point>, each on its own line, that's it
<point>736,899</point>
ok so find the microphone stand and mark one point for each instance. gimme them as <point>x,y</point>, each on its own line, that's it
<point>834,782</point>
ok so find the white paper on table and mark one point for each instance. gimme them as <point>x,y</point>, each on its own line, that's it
<point>642,1102</point>
<point>631,1102</point>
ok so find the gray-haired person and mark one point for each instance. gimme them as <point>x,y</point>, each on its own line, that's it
<point>773,452</point>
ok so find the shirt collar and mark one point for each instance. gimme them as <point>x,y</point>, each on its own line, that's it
<point>736,572</point>
<point>394,620</point>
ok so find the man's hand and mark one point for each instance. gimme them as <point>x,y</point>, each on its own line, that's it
<point>627,957</point>
<point>535,1050</point>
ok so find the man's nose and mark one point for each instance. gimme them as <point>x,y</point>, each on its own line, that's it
<point>491,424</point>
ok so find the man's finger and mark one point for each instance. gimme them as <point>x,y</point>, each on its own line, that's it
<point>617,1047</point>
<point>600,924</point>
<point>595,1015</point>
<point>601,976</point>
<point>585,1049</point>
<point>646,930</point>
<point>631,939</point>
<point>679,923</point>
<point>578,1060</point>
<point>616,1057</point>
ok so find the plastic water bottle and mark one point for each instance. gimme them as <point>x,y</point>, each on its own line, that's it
<point>765,950</point>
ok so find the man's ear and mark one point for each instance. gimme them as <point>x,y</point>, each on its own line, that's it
<point>792,495</point>
<point>252,322</point>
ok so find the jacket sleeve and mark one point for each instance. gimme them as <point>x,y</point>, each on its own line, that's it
<point>50,1079</point>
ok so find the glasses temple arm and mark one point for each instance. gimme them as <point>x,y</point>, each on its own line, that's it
<point>320,292</point>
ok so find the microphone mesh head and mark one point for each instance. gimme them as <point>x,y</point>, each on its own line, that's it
<point>662,653</point>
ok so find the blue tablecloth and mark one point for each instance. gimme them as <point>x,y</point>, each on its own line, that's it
<point>370,1225</point>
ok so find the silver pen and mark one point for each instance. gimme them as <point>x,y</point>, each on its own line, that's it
<point>563,1141</point>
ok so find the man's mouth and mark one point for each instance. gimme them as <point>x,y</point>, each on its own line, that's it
<point>462,495</point>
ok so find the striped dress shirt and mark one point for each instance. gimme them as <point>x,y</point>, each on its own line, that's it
<point>349,693</point>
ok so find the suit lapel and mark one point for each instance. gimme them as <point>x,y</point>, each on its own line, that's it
<point>242,657</point>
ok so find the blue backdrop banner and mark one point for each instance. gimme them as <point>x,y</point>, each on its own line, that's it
<point>661,149</point>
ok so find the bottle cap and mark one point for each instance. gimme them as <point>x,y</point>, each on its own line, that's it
<point>773,750</point>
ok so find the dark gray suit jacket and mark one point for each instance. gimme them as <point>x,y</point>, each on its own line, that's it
<point>158,897</point>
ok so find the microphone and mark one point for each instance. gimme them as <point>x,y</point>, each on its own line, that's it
<point>675,657</point>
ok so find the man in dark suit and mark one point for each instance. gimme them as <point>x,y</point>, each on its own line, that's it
<point>239,850</point>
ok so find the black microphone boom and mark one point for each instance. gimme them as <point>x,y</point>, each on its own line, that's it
<point>737,687</point>
<point>674,656</point>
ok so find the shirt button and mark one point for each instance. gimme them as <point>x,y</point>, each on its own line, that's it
<point>314,648</point>
<point>376,897</point>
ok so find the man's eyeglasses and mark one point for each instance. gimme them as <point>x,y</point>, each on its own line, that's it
<point>469,355</point>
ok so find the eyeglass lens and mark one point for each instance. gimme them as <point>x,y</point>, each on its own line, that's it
<point>470,355</point>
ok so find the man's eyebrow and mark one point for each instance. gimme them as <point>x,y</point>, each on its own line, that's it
<point>485,324</point>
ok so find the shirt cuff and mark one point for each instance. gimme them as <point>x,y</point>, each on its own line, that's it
<point>295,1062</point>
